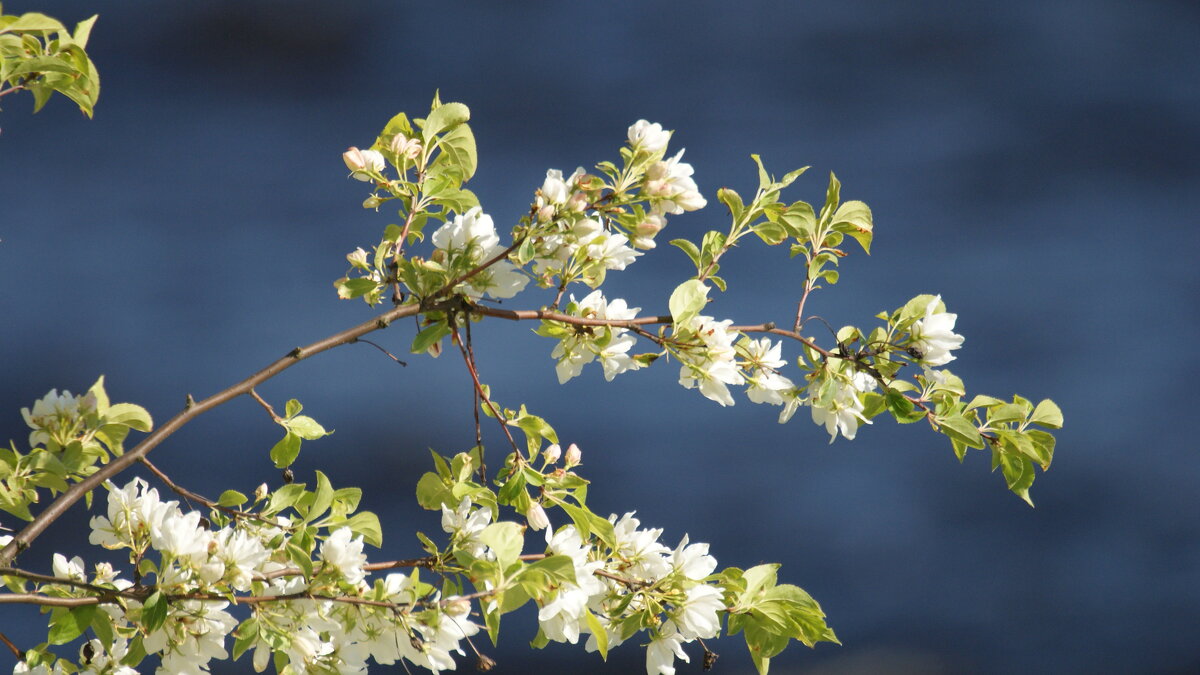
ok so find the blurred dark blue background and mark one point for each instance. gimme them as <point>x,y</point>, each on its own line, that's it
<point>1034,162</point>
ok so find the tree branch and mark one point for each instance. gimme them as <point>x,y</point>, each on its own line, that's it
<point>59,506</point>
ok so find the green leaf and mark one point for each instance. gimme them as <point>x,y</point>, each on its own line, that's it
<point>458,149</point>
<point>83,30</point>
<point>961,429</point>
<point>286,451</point>
<point>690,249</point>
<point>1018,473</point>
<point>433,493</point>
<point>284,497</point>
<point>231,498</point>
<point>35,21</point>
<point>444,117</point>
<point>597,629</point>
<point>348,289</point>
<point>832,196</point>
<point>322,498</point>
<point>505,540</point>
<point>399,124</point>
<point>853,218</point>
<point>764,179</point>
<point>306,427</point>
<point>687,300</point>
<point>154,612</point>
<point>66,625</point>
<point>771,233</point>
<point>429,336</point>
<point>365,523</point>
<point>292,408</point>
<point>1047,414</point>
<point>732,200</point>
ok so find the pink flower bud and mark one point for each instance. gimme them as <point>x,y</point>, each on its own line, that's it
<point>573,456</point>
<point>552,453</point>
<point>405,147</point>
<point>362,163</point>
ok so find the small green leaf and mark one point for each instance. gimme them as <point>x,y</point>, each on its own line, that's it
<point>446,116</point>
<point>429,336</point>
<point>687,300</point>
<point>690,249</point>
<point>505,540</point>
<point>322,498</point>
<point>67,625</point>
<point>1047,414</point>
<point>597,629</point>
<point>306,427</point>
<point>961,429</point>
<point>432,492</point>
<point>231,498</point>
<point>154,612</point>
<point>286,451</point>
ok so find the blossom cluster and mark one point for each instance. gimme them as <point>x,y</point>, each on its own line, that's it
<point>328,618</point>
<point>637,581</point>
<point>580,345</point>
<point>469,240</point>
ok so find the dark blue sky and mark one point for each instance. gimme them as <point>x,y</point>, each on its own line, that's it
<point>1033,162</point>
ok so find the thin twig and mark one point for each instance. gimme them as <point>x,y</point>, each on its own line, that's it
<point>266,406</point>
<point>8,643</point>
<point>193,496</point>
<point>479,389</point>
<point>382,350</point>
<point>475,411</point>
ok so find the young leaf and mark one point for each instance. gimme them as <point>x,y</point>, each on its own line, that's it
<point>687,300</point>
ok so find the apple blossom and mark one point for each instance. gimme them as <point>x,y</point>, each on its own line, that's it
<point>934,335</point>
<point>648,136</point>
<point>345,554</point>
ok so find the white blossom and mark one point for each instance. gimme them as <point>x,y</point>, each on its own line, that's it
<point>345,554</point>
<point>472,237</point>
<point>934,335</point>
<point>666,645</point>
<point>671,187</point>
<point>68,569</point>
<point>763,359</point>
<point>713,367</point>
<point>698,616</point>
<point>465,524</point>
<point>648,136</point>
<point>580,347</point>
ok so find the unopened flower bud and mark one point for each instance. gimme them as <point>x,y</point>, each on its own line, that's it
<point>652,225</point>
<point>261,492</point>
<point>372,202</point>
<point>578,202</point>
<point>545,213</point>
<point>484,663</point>
<point>536,517</point>
<point>363,162</point>
<point>552,453</point>
<point>573,456</point>
<point>405,147</point>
